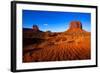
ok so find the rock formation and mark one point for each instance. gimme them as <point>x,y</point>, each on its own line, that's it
<point>35,28</point>
<point>75,24</point>
<point>75,27</point>
<point>40,46</point>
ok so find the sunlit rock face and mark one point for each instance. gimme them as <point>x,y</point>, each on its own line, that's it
<point>75,24</point>
<point>75,27</point>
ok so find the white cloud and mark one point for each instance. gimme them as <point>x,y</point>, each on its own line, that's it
<point>46,24</point>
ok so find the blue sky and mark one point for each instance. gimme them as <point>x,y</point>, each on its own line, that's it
<point>54,21</point>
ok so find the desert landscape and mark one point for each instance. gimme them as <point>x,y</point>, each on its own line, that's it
<point>42,46</point>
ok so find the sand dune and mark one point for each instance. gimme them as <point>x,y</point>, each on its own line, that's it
<point>73,44</point>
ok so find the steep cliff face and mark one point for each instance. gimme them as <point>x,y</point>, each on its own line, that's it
<point>76,27</point>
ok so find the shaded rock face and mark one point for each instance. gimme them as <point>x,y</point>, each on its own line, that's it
<point>35,28</point>
<point>75,24</point>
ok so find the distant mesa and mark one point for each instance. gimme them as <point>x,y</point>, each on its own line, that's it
<point>75,25</point>
<point>48,31</point>
<point>35,28</point>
